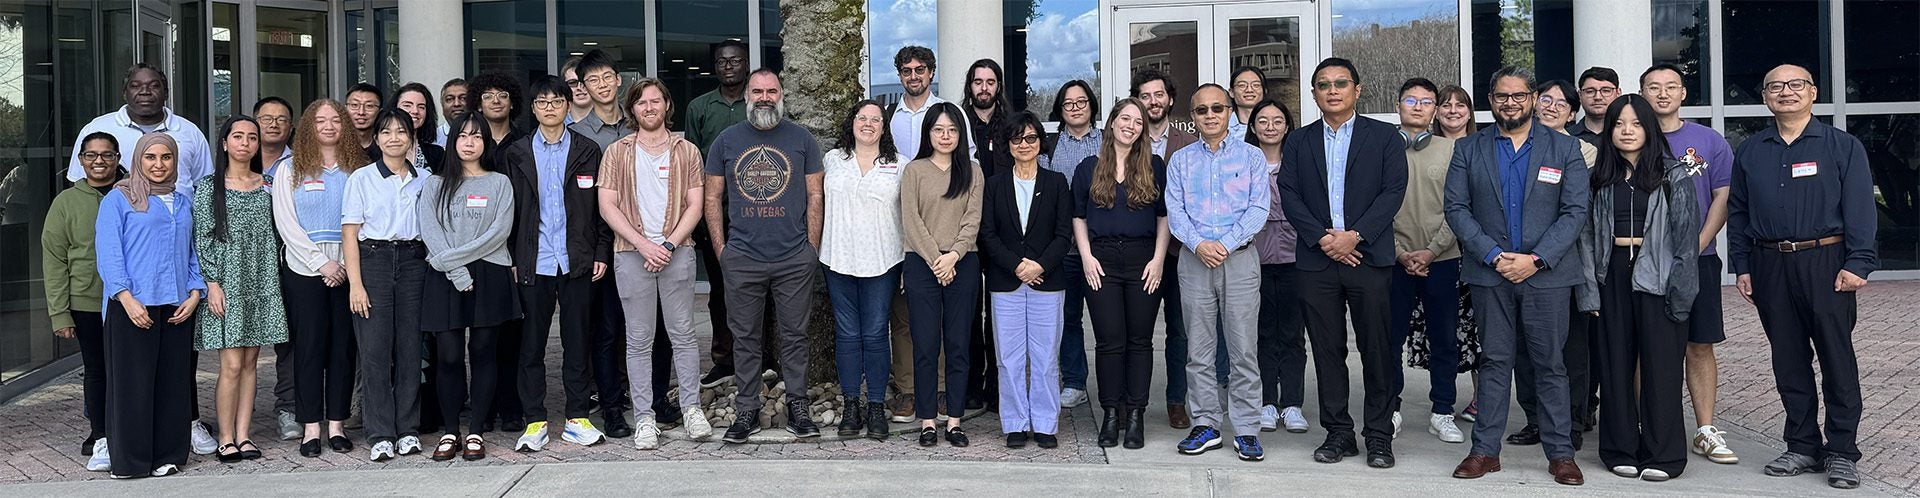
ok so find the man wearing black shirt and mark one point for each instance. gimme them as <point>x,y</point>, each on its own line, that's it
<point>989,106</point>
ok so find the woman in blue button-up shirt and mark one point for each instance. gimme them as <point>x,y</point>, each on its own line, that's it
<point>144,236</point>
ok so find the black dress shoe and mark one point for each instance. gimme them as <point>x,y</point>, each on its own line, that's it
<point>1528,436</point>
<point>310,448</point>
<point>1136,431</point>
<point>486,426</point>
<point>513,425</point>
<point>929,436</point>
<point>1017,439</point>
<point>1336,447</point>
<point>957,437</point>
<point>1380,453</point>
<point>1045,440</point>
<point>667,417</point>
<point>340,444</point>
<point>614,424</point>
<point>248,450</point>
<point>1110,423</point>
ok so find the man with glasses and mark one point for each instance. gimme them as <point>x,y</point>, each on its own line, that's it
<point>1706,152</point>
<point>1517,196</point>
<point>1344,180</point>
<point>363,102</point>
<point>707,116</point>
<point>1217,199</point>
<point>453,101</point>
<point>599,85</point>
<point>1598,87</point>
<point>1427,257</point>
<point>1802,241</point>
<point>581,104</point>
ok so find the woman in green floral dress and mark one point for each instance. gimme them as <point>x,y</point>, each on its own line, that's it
<point>239,256</point>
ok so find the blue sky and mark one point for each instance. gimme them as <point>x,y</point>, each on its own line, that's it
<point>1068,29</point>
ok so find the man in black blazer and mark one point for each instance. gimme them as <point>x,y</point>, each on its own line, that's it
<point>560,247</point>
<point>1344,178</point>
<point>1517,200</point>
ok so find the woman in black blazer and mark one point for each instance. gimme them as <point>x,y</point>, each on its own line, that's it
<point>1026,225</point>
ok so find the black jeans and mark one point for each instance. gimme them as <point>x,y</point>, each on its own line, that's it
<point>455,348</point>
<point>1326,297</point>
<point>1807,321</point>
<point>389,337</point>
<point>575,298</point>
<point>1642,426</point>
<point>147,380</point>
<point>90,332</point>
<point>323,346</point>
<point>1283,339</point>
<point>1123,316</point>
<point>942,318</point>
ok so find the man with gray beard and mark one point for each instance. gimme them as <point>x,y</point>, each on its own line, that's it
<point>758,235</point>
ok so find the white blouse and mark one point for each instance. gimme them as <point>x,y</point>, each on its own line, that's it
<point>862,233</point>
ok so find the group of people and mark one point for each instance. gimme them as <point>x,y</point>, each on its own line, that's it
<point>416,268</point>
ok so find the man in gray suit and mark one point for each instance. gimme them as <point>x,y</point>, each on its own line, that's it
<point>1517,200</point>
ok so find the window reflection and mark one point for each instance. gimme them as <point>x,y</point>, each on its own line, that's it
<point>1893,151</point>
<point>1058,42</point>
<point>1762,34</point>
<point>688,31</point>
<point>1680,38</point>
<point>1393,41</point>
<point>1886,65</point>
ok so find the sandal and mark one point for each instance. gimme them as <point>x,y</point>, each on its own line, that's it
<point>476,448</point>
<point>229,457</point>
<point>248,450</point>
<point>449,445</point>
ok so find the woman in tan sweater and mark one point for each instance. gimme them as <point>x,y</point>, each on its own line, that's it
<point>939,222</point>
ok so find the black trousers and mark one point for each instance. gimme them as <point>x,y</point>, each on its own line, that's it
<point>1123,316</point>
<point>575,298</point>
<point>942,318</point>
<point>1807,321</point>
<point>722,351</point>
<point>455,348</point>
<point>506,366</point>
<point>1326,297</point>
<point>1642,426</point>
<point>1283,339</point>
<point>147,382</point>
<point>1579,353</point>
<point>983,369</point>
<point>609,330</point>
<point>430,385</point>
<point>323,347</point>
<point>90,332</point>
<point>285,368</point>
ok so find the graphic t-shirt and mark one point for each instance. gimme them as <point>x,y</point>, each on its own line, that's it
<point>1702,149</point>
<point>766,181</point>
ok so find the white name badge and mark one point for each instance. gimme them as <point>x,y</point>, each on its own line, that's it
<point>1549,176</point>
<point>476,201</point>
<point>889,168</point>
<point>583,181</point>
<point>313,186</point>
<point>664,172</point>
<point>1806,169</point>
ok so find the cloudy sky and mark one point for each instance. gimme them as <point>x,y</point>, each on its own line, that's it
<point>1067,33</point>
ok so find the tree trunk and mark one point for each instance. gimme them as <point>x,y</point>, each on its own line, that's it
<point>821,81</point>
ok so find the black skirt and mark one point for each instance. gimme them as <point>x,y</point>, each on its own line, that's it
<point>494,300</point>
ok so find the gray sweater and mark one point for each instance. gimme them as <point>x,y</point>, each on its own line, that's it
<point>471,225</point>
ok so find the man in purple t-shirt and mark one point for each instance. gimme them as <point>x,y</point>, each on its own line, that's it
<point>1704,150</point>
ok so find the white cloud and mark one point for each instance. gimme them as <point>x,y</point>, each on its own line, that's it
<point>1061,48</point>
<point>894,24</point>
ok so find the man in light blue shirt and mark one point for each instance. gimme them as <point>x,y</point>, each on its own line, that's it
<point>550,160</point>
<point>1339,140</point>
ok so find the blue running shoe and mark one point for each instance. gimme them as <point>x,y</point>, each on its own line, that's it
<point>1249,448</point>
<point>1202,438</point>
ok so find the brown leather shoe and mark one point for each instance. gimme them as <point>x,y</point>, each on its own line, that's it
<point>1177,416</point>
<point>475,448</point>
<point>1566,472</point>
<point>1476,466</point>
<point>448,448</point>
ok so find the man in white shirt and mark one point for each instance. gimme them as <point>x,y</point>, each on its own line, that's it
<point>145,111</point>
<point>453,101</point>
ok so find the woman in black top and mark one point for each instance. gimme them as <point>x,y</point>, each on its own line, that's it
<point>1120,226</point>
<point>1026,224</point>
<point>415,100</point>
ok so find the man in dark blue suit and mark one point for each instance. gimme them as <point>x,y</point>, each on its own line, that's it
<point>1517,200</point>
<point>1345,177</point>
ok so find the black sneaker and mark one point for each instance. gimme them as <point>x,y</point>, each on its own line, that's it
<point>1841,473</point>
<point>801,426</point>
<point>745,424</point>
<point>1380,453</point>
<point>1017,439</point>
<point>668,417</point>
<point>614,424</point>
<point>717,376</point>
<point>1045,440</point>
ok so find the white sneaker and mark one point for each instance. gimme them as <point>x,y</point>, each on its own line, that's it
<point>647,434</point>
<point>1654,475</point>
<point>409,445</point>
<point>1071,397</point>
<point>1269,418</point>
<point>1711,442</point>
<point>580,431</point>
<point>695,420</point>
<point>533,439</point>
<point>166,470</point>
<point>290,428</point>
<point>203,442</point>
<point>1295,421</point>
<point>1627,471</point>
<point>1396,424</point>
<point>1442,425</point>
<point>381,452</point>
<point>100,462</point>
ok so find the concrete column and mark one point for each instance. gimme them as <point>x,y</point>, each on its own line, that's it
<point>1614,34</point>
<point>432,49</point>
<point>970,30</point>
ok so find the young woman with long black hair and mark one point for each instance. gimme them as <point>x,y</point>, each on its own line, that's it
<point>233,232</point>
<point>940,223</point>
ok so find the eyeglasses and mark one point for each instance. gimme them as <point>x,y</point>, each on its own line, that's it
<point>862,118</point>
<point>1024,140</point>
<point>1413,102</point>
<point>601,77</point>
<point>944,132</point>
<point>729,61</point>
<point>1553,103</point>
<point>1074,105</point>
<point>1504,98</point>
<point>1777,87</point>
<point>1598,91</point>
<point>919,70</point>
<point>1672,89</point>
<point>1202,110</point>
<point>1328,85</point>
<point>273,120</point>
<point>495,96</point>
<point>96,156</point>
<point>574,82</point>
<point>549,103</point>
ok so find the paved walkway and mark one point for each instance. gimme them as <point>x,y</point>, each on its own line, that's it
<point>47,426</point>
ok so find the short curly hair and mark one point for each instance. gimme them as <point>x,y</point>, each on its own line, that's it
<point>496,80</point>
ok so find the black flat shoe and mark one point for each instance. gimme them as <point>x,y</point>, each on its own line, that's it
<point>248,450</point>
<point>957,437</point>
<point>1017,439</point>
<point>340,444</point>
<point>226,457</point>
<point>929,436</point>
<point>1045,440</point>
<point>310,448</point>
<point>1528,436</point>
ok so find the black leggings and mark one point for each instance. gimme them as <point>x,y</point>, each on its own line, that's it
<point>454,348</point>
<point>323,347</point>
<point>90,331</point>
<point>1123,315</point>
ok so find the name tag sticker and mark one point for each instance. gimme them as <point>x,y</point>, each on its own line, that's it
<point>1806,169</point>
<point>313,185</point>
<point>583,181</point>
<point>890,169</point>
<point>664,172</point>
<point>476,201</point>
<point>1549,176</point>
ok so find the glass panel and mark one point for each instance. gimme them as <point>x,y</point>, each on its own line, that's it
<point>508,36</point>
<point>75,51</point>
<point>293,54</point>
<point>1738,129</point>
<point>1273,46</point>
<point>892,24</point>
<point>1171,48</point>
<point>357,49</point>
<point>32,154</point>
<point>191,103</point>
<point>770,43</point>
<point>1058,42</point>
<point>117,25</point>
<point>386,43</point>
<point>611,26</point>
<point>1393,41</point>
<point>1893,152</point>
<point>1762,34</point>
<point>1680,38</point>
<point>1883,65</point>
<point>688,31</point>
<point>226,60</point>
<point>1533,34</point>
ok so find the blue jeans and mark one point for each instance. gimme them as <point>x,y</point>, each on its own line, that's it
<point>1073,345</point>
<point>861,308</point>
<point>1177,336</point>
<point>1437,292</point>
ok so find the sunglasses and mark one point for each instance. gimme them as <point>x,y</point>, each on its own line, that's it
<point>1212,109</point>
<point>1024,140</point>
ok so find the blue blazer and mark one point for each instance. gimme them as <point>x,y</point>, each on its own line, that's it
<point>1376,183</point>
<point>1555,212</point>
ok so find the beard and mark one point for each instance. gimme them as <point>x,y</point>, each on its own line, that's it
<point>986,103</point>
<point>911,91</point>
<point>1513,124</point>
<point>766,116</point>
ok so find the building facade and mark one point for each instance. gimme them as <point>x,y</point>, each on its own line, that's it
<point>62,62</point>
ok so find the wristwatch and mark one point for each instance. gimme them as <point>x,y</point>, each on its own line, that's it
<point>1538,263</point>
<point>668,245</point>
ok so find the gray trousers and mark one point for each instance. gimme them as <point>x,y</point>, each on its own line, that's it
<point>670,294</point>
<point>1511,315</point>
<point>750,284</point>
<point>1228,295</point>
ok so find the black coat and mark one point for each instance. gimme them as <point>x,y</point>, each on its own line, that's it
<point>589,240</point>
<point>1376,184</point>
<point>1049,230</point>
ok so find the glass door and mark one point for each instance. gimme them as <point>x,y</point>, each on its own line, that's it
<point>1195,44</point>
<point>1176,41</point>
<point>156,41</point>
<point>1281,39</point>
